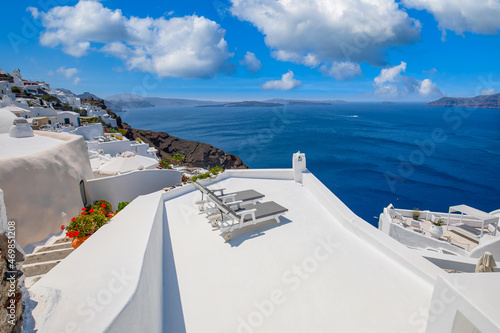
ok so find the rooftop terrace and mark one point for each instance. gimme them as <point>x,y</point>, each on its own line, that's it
<point>306,274</point>
<point>16,147</point>
<point>321,269</point>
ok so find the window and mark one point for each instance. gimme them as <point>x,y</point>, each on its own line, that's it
<point>83,194</point>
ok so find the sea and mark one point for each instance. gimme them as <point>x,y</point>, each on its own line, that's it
<point>368,154</point>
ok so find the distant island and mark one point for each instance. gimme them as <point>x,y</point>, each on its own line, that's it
<point>117,103</point>
<point>243,104</point>
<point>482,101</point>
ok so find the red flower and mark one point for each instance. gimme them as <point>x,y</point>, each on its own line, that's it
<point>69,234</point>
<point>76,233</point>
<point>103,205</point>
<point>74,218</point>
<point>82,213</point>
<point>62,227</point>
<point>84,208</point>
<point>110,215</point>
<point>91,211</point>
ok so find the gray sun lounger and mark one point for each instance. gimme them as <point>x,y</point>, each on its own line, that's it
<point>246,196</point>
<point>248,215</point>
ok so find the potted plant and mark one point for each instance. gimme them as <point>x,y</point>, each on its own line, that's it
<point>416,213</point>
<point>437,229</point>
<point>88,222</point>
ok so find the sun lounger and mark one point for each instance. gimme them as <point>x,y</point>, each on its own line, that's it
<point>247,215</point>
<point>246,196</point>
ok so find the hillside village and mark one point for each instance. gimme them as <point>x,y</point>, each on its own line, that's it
<point>51,109</point>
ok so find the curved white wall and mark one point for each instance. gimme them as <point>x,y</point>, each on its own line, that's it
<point>129,186</point>
<point>414,239</point>
<point>42,189</point>
<point>89,132</point>
<point>362,229</point>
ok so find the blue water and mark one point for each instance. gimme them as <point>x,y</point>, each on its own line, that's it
<point>368,154</point>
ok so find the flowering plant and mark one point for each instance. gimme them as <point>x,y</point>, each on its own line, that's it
<point>89,220</point>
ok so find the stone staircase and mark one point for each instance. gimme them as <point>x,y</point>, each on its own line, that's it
<point>44,259</point>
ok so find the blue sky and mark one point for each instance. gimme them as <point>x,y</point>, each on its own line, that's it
<point>411,50</point>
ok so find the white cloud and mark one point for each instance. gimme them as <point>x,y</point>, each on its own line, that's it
<point>67,72</point>
<point>342,71</point>
<point>321,32</point>
<point>76,81</point>
<point>489,91</point>
<point>392,83</point>
<point>251,62</point>
<point>287,82</point>
<point>189,46</point>
<point>478,16</point>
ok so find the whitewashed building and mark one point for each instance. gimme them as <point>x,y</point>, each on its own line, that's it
<point>68,118</point>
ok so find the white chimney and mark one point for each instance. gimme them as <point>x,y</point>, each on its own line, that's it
<point>299,166</point>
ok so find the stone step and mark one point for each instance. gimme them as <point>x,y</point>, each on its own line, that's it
<point>47,256</point>
<point>62,240</point>
<point>39,269</point>
<point>60,246</point>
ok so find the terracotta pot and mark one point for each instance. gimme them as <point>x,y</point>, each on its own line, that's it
<point>76,242</point>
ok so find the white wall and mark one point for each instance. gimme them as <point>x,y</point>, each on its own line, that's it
<point>129,186</point>
<point>42,112</point>
<point>119,277</point>
<point>111,147</point>
<point>493,247</point>
<point>97,113</point>
<point>139,148</point>
<point>362,229</point>
<point>42,190</point>
<point>110,121</point>
<point>5,88</point>
<point>462,302</point>
<point>89,132</point>
<point>72,116</point>
<point>411,238</point>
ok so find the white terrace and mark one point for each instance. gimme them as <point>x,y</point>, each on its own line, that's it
<point>159,266</point>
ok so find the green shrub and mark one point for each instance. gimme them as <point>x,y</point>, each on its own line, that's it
<point>216,170</point>
<point>16,90</point>
<point>178,157</point>
<point>165,163</point>
<point>122,205</point>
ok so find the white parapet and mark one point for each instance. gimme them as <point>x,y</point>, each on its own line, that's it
<point>299,166</point>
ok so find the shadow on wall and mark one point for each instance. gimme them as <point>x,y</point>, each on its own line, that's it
<point>173,316</point>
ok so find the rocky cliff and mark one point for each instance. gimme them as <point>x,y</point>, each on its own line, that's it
<point>197,154</point>
<point>483,102</point>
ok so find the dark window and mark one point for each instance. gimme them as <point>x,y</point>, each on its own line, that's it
<point>82,193</point>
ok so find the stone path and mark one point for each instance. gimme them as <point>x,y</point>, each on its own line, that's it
<point>44,259</point>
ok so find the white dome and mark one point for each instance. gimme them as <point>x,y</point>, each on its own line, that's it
<point>6,120</point>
